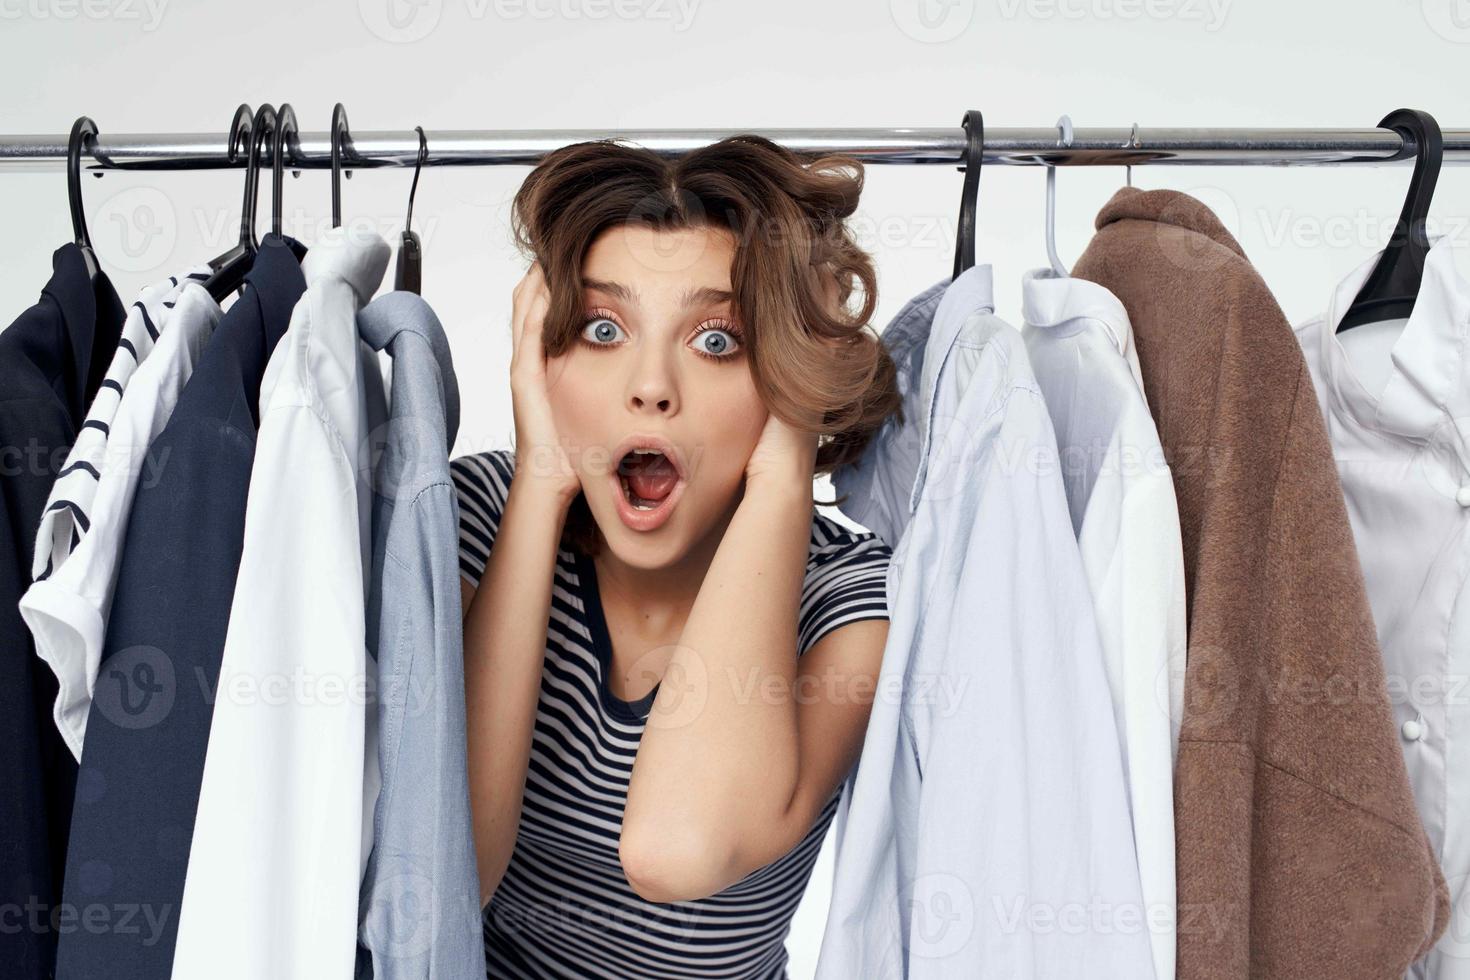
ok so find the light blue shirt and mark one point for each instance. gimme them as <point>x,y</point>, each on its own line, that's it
<point>985,831</point>
<point>420,905</point>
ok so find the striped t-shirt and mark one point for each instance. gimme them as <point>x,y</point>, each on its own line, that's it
<point>66,518</point>
<point>564,907</point>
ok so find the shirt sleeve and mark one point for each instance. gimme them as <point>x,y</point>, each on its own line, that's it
<point>846,581</point>
<point>481,483</point>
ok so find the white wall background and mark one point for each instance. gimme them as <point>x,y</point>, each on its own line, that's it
<point>183,66</point>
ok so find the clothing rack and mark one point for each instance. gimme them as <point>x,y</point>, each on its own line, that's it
<point>1005,146</point>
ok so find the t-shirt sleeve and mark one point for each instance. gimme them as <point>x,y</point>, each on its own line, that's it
<point>846,581</point>
<point>481,484</point>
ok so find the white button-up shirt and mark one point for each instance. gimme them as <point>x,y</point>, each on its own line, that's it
<point>80,538</point>
<point>1121,495</point>
<point>1396,398</point>
<point>985,831</point>
<point>281,838</point>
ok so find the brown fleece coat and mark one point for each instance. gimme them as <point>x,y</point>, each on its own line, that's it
<point>1300,852</point>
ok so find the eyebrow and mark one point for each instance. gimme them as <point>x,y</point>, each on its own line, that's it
<point>691,297</point>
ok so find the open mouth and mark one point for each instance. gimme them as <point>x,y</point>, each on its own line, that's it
<point>647,477</point>
<point>649,481</point>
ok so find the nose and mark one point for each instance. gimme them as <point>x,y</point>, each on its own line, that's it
<point>652,387</point>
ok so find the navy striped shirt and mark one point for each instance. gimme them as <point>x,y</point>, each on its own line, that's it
<point>564,907</point>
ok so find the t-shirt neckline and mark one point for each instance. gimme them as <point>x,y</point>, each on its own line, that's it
<point>632,711</point>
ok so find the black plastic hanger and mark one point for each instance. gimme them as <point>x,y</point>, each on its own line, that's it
<point>232,266</point>
<point>409,273</point>
<point>83,128</point>
<point>1393,285</point>
<point>287,141</point>
<point>964,248</point>
<point>341,138</point>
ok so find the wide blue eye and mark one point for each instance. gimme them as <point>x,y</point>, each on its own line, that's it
<point>716,342</point>
<point>603,330</point>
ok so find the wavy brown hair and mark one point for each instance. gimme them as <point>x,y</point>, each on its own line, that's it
<point>816,363</point>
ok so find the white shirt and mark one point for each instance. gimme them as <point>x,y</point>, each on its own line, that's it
<point>80,537</point>
<point>1396,399</point>
<point>1121,495</point>
<point>290,778</point>
<point>985,831</point>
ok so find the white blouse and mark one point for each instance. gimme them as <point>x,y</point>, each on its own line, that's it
<point>1396,399</point>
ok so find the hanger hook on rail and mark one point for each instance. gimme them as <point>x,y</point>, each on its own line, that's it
<point>409,274</point>
<point>341,144</point>
<point>82,131</point>
<point>1064,127</point>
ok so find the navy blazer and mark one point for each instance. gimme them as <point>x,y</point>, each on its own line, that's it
<point>52,361</point>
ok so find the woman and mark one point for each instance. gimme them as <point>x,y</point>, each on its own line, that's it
<point>670,654</point>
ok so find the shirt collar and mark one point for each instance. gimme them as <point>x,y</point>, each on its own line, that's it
<point>1051,301</point>
<point>381,322</point>
<point>968,294</point>
<point>882,488</point>
<point>357,257</point>
<point>1427,380</point>
<point>876,488</point>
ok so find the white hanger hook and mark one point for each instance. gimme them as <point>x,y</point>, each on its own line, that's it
<point>1064,127</point>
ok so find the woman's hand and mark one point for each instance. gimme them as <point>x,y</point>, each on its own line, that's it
<point>541,459</point>
<point>784,455</point>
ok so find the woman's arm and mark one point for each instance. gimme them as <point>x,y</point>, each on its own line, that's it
<point>742,749</point>
<point>506,618</point>
<point>504,648</point>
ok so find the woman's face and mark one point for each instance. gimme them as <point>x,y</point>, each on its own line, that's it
<point>658,357</point>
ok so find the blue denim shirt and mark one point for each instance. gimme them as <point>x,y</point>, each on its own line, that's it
<point>419,915</point>
<point>985,831</point>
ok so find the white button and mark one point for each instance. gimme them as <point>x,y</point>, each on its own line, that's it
<point>1412,730</point>
<point>1462,496</point>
